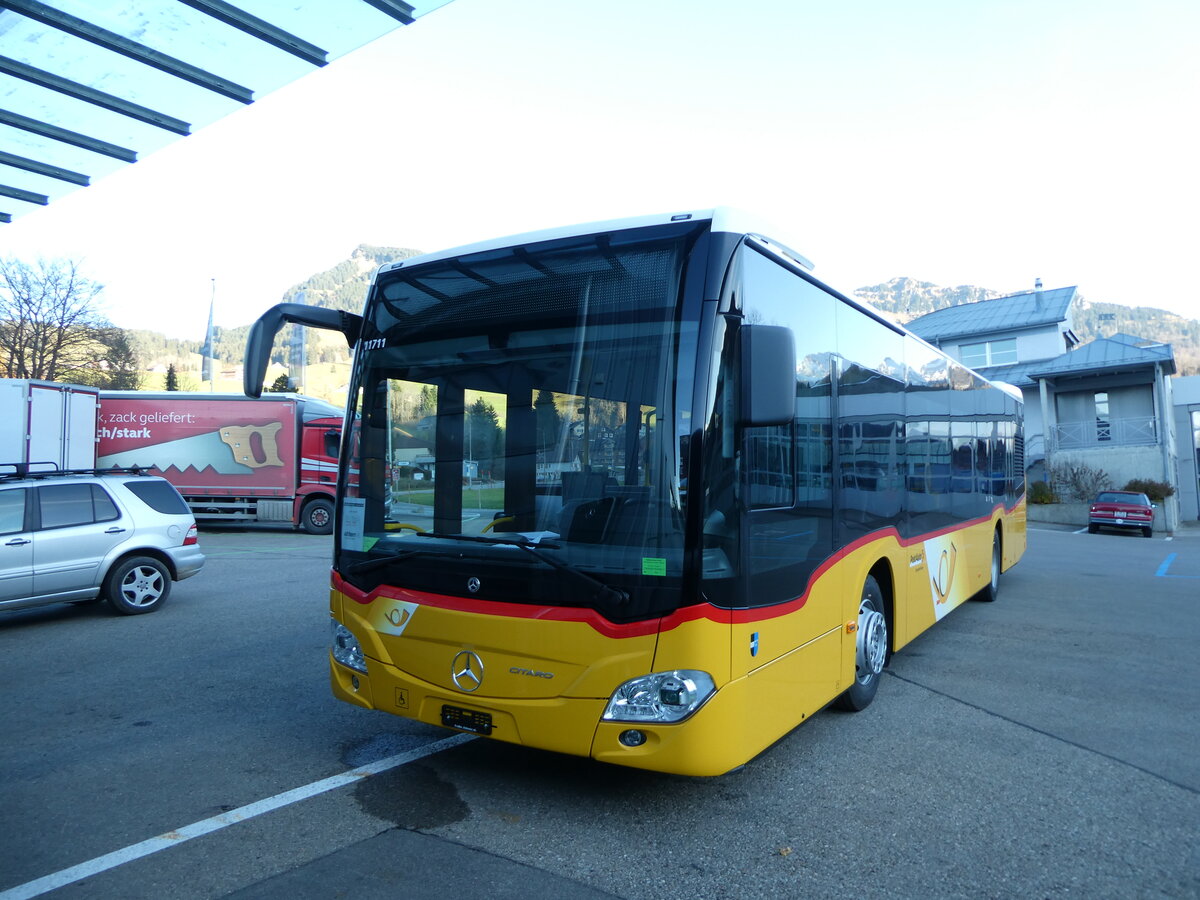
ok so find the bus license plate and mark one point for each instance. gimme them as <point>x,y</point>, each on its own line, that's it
<point>467,720</point>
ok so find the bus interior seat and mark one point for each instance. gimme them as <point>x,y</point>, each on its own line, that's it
<point>618,516</point>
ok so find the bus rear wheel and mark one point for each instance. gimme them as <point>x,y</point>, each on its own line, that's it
<point>870,649</point>
<point>992,590</point>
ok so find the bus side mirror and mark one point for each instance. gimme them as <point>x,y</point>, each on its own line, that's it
<point>263,331</point>
<point>768,375</point>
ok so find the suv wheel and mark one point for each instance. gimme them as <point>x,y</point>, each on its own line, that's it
<point>137,585</point>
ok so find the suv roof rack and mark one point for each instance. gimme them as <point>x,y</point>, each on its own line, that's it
<point>22,470</point>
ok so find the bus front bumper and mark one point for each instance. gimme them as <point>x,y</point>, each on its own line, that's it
<point>705,744</point>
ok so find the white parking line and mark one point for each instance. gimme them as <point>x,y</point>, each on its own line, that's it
<point>51,882</point>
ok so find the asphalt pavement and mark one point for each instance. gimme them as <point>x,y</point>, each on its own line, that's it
<point>1040,746</point>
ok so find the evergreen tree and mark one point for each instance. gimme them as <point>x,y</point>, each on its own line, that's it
<point>549,422</point>
<point>427,405</point>
<point>121,367</point>
<point>280,385</point>
<point>172,378</point>
<point>485,439</point>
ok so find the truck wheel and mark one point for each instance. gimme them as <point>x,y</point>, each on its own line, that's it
<point>317,517</point>
<point>137,585</point>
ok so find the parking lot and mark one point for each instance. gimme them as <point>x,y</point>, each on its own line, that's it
<point>1044,745</point>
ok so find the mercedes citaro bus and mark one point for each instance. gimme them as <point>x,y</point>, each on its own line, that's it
<point>647,491</point>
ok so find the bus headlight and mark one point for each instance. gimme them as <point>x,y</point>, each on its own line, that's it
<point>661,697</point>
<point>346,649</point>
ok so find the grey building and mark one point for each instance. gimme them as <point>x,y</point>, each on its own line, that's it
<point>1187,427</point>
<point>1106,404</point>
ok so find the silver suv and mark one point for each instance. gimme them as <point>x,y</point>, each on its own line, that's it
<point>80,536</point>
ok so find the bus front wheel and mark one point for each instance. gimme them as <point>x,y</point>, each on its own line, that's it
<point>870,649</point>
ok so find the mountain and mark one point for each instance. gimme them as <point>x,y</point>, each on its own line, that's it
<point>345,285</point>
<point>342,287</point>
<point>906,298</point>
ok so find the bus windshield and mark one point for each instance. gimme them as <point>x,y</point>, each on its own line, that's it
<point>517,432</point>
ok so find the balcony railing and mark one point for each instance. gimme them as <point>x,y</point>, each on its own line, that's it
<point>1141,430</point>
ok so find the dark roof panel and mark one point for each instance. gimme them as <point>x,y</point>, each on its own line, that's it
<point>1001,314</point>
<point>1101,355</point>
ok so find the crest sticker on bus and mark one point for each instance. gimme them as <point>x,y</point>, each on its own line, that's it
<point>392,616</point>
<point>943,563</point>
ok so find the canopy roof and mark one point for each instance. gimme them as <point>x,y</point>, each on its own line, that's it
<point>87,88</point>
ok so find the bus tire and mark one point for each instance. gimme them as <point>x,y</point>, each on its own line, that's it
<point>317,517</point>
<point>992,589</point>
<point>870,649</point>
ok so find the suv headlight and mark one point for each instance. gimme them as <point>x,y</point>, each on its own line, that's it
<point>661,697</point>
<point>346,649</point>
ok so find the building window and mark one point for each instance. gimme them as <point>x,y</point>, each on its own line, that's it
<point>989,353</point>
<point>1103,423</point>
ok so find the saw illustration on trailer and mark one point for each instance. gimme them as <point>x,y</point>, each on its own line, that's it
<point>230,450</point>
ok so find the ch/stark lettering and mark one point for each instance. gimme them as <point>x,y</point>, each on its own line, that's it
<point>124,432</point>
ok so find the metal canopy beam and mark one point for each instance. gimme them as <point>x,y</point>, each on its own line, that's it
<point>397,9</point>
<point>84,30</point>
<point>26,196</point>
<point>91,95</point>
<point>32,165</point>
<point>62,135</point>
<point>257,28</point>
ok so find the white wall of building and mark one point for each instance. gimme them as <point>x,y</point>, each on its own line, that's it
<point>1186,402</point>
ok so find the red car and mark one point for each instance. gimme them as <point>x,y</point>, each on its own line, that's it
<point>1122,509</point>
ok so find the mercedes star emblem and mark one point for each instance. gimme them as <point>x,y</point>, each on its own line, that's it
<point>467,671</point>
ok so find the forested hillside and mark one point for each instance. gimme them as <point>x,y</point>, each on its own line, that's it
<point>342,287</point>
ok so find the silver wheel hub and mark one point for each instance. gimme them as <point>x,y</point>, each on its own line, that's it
<point>871,644</point>
<point>142,586</point>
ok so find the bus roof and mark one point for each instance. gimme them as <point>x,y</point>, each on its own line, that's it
<point>724,219</point>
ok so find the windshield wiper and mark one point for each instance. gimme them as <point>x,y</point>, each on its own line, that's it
<point>535,550</point>
<point>378,562</point>
<point>621,597</point>
<point>517,540</point>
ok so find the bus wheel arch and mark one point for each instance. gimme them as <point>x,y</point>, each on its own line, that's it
<point>872,640</point>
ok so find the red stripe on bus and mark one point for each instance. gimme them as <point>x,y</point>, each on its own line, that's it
<point>649,626</point>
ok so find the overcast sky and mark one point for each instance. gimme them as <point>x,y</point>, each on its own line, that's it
<point>985,143</point>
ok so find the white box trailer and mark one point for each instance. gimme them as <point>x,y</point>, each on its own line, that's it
<point>48,423</point>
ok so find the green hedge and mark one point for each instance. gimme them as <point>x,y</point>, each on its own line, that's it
<point>1157,491</point>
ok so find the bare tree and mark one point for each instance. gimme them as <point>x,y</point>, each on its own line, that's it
<point>49,319</point>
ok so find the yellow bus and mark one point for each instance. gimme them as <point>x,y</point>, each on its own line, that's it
<point>648,491</point>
